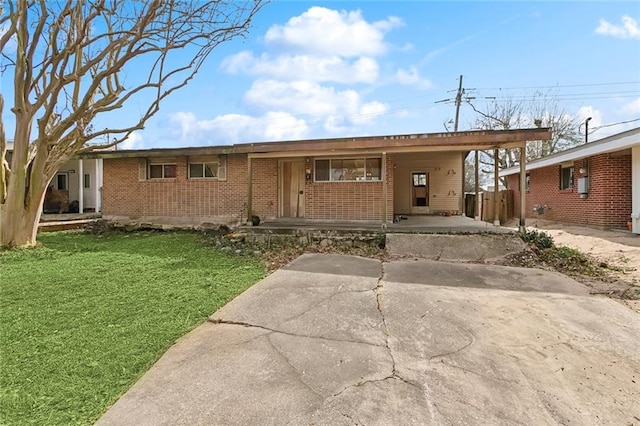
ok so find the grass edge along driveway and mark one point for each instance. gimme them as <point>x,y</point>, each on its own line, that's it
<point>83,316</point>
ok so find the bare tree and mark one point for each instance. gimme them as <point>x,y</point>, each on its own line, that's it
<point>542,111</point>
<point>470,175</point>
<point>73,61</point>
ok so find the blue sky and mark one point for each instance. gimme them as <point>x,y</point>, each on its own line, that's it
<point>332,69</point>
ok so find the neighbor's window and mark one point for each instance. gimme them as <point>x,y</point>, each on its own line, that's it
<point>566,177</point>
<point>62,181</point>
<point>527,182</point>
<point>348,169</point>
<point>87,181</point>
<point>162,171</point>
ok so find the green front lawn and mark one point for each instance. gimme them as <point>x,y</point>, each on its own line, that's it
<point>83,317</point>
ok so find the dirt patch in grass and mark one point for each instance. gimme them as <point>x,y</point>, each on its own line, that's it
<point>602,277</point>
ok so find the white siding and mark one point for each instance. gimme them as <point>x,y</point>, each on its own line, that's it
<point>445,180</point>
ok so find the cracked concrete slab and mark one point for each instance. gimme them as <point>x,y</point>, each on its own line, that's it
<point>336,264</point>
<point>454,248</point>
<point>419,343</point>
<point>513,357</point>
<point>430,272</point>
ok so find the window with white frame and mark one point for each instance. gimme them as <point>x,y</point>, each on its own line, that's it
<point>207,167</point>
<point>566,177</point>
<point>348,169</point>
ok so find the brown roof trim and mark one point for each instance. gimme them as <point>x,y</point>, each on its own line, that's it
<point>482,139</point>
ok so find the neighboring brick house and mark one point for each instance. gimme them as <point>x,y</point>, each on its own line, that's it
<point>596,184</point>
<point>359,179</point>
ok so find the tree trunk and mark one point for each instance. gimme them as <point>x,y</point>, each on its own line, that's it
<point>19,223</point>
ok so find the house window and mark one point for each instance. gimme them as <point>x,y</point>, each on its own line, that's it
<point>527,182</point>
<point>566,177</point>
<point>207,167</point>
<point>87,181</point>
<point>162,171</point>
<point>62,182</point>
<point>348,169</point>
<point>207,170</point>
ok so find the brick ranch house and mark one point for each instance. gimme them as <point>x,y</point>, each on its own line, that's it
<point>596,184</point>
<point>347,179</point>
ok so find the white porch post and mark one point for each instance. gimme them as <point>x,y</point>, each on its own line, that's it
<point>523,184</point>
<point>635,189</point>
<point>81,186</point>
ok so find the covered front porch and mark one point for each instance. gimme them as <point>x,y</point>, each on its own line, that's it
<point>370,181</point>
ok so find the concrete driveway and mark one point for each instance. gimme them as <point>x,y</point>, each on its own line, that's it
<point>345,340</point>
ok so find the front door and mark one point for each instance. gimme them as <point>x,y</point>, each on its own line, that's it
<point>292,188</point>
<point>419,192</point>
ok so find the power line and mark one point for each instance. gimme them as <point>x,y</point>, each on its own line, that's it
<point>573,97</point>
<point>615,124</point>
<point>558,86</point>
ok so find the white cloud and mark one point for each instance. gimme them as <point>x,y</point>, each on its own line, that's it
<point>134,141</point>
<point>628,29</point>
<point>330,32</point>
<point>632,107</point>
<point>412,77</point>
<point>293,92</point>
<point>314,68</point>
<point>237,128</point>
<point>321,103</point>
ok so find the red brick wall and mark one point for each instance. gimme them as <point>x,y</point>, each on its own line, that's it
<point>125,195</point>
<point>349,200</point>
<point>181,198</point>
<point>608,204</point>
<point>265,187</point>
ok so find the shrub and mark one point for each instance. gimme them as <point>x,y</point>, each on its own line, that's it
<point>539,239</point>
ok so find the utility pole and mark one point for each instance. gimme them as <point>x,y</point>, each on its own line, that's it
<point>458,102</point>
<point>455,129</point>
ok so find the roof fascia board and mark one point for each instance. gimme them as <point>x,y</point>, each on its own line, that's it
<point>458,141</point>
<point>611,144</point>
<point>396,150</point>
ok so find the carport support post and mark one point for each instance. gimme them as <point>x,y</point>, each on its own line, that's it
<point>384,190</point>
<point>476,207</point>
<point>523,184</point>
<point>249,190</point>
<point>496,189</point>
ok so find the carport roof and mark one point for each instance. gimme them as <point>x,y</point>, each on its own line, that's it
<point>454,141</point>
